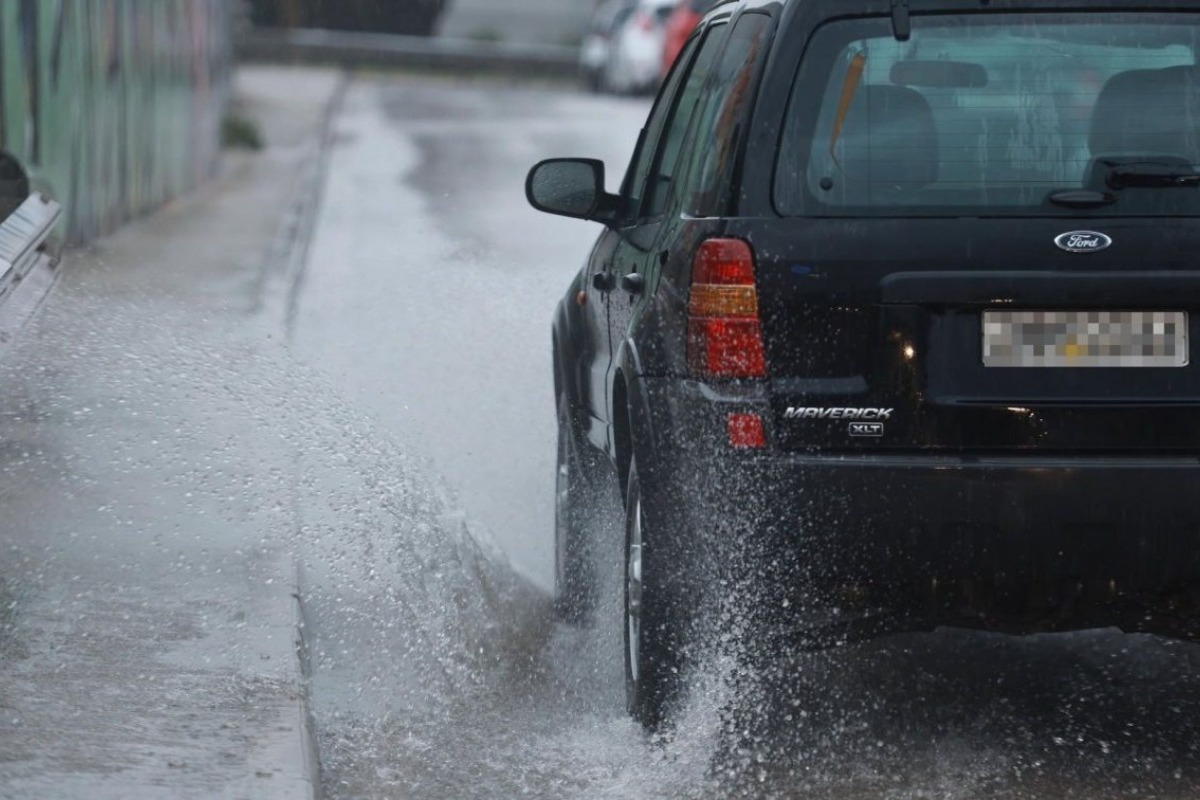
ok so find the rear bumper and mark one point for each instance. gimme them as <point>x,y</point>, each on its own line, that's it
<point>1041,520</point>
<point>903,519</point>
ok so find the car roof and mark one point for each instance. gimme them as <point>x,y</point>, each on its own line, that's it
<point>841,7</point>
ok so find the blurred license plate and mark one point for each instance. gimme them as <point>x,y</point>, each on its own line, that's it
<point>1085,339</point>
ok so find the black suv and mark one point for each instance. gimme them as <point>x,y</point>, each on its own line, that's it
<point>890,328</point>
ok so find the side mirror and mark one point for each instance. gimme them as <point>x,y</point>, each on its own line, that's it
<point>569,187</point>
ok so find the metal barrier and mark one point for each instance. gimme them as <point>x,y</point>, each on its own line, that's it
<point>381,49</point>
<point>27,267</point>
<point>22,233</point>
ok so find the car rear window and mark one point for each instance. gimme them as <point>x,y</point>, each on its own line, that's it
<point>995,114</point>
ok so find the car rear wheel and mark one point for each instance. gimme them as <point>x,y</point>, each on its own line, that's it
<point>653,677</point>
<point>575,478</point>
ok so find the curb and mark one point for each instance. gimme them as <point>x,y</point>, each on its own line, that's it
<point>286,262</point>
<point>351,50</point>
<point>310,753</point>
<point>282,280</point>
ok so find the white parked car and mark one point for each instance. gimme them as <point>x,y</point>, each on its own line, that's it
<point>595,55</point>
<point>633,52</point>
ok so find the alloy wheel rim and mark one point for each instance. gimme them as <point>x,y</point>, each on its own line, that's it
<point>633,592</point>
<point>562,500</point>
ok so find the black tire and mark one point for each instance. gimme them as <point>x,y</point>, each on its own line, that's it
<point>575,492</point>
<point>604,82</point>
<point>592,80</point>
<point>653,661</point>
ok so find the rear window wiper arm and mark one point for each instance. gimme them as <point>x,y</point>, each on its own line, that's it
<point>1152,176</point>
<point>1082,198</point>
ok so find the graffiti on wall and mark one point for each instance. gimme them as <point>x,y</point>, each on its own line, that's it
<point>114,106</point>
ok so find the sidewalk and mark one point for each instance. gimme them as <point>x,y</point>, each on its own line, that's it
<point>147,617</point>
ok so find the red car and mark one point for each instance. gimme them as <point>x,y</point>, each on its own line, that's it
<point>680,24</point>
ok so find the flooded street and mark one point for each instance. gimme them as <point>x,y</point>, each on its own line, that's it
<point>201,455</point>
<point>428,297</point>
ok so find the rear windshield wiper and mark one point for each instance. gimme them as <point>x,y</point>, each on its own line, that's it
<point>1152,176</point>
<point>1082,198</point>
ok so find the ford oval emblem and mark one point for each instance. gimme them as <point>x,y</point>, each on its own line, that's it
<point>1083,242</point>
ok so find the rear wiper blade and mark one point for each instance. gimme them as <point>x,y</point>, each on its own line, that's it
<point>1152,176</point>
<point>1082,198</point>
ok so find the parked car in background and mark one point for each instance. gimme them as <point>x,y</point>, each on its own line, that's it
<point>683,20</point>
<point>634,63</point>
<point>596,52</point>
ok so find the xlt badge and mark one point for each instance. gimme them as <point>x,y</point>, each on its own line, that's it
<point>878,414</point>
<point>861,429</point>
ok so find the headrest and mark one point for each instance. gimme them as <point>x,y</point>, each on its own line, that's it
<point>889,137</point>
<point>1148,111</point>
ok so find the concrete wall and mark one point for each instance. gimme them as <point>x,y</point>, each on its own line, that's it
<point>113,106</point>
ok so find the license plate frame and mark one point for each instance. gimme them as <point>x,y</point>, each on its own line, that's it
<point>1074,339</point>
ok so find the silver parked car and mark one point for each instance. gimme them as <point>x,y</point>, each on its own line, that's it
<point>596,53</point>
<point>623,50</point>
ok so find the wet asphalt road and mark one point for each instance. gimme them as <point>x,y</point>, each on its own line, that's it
<point>167,469</point>
<point>438,672</point>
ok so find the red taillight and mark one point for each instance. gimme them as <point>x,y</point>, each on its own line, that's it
<point>727,262</point>
<point>726,348</point>
<point>724,331</point>
<point>747,432</point>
